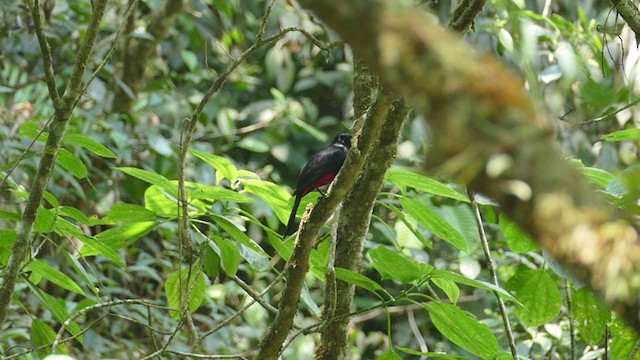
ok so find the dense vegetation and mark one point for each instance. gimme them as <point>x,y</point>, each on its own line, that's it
<point>158,232</point>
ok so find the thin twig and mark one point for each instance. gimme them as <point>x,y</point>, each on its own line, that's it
<point>206,356</point>
<point>255,296</point>
<point>492,271</point>
<point>416,333</point>
<point>85,310</point>
<point>572,331</point>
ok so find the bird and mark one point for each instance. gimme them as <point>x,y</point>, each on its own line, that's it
<point>319,171</point>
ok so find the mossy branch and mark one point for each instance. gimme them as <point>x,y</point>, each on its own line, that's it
<point>481,114</point>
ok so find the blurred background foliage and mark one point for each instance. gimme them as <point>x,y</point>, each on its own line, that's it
<point>112,191</point>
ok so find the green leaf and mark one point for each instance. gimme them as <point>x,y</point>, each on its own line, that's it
<point>151,178</point>
<point>75,214</point>
<point>229,254</point>
<point>7,238</point>
<point>157,202</point>
<point>597,176</point>
<point>461,279</point>
<point>91,245</point>
<point>190,59</point>
<point>45,221</point>
<point>80,270</point>
<point>72,163</point>
<point>463,329</point>
<point>449,287</point>
<point>211,260</point>
<point>624,340</point>
<point>218,193</point>
<point>622,135</point>
<point>434,222</point>
<point>54,275</point>
<point>30,130</point>
<point>393,265</point>
<point>517,239</point>
<point>121,236</point>
<point>57,307</point>
<point>539,295</point>
<point>591,315</point>
<point>189,281</point>
<point>238,234</point>
<point>275,196</point>
<point>128,213</point>
<point>224,167</point>
<point>389,355</point>
<point>90,144</point>
<point>403,177</point>
<point>43,335</point>
<point>357,279</point>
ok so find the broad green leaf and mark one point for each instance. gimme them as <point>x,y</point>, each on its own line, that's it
<point>45,221</point>
<point>211,260</point>
<point>389,355</point>
<point>156,201</point>
<point>30,130</point>
<point>461,218</point>
<point>91,245</point>
<point>357,279</point>
<point>42,268</point>
<point>128,213</point>
<point>624,340</point>
<point>275,196</point>
<point>42,335</point>
<point>434,222</point>
<point>403,177</point>
<point>224,167</point>
<point>598,177</point>
<point>229,254</point>
<point>189,282</point>
<point>539,295</point>
<point>319,260</point>
<point>591,315</point>
<point>622,135</point>
<point>449,287</point>
<point>218,193</point>
<point>121,236</point>
<point>7,238</point>
<point>72,163</point>
<point>463,329</point>
<point>517,239</point>
<point>151,178</point>
<point>393,265</point>
<point>89,144</point>
<point>75,214</point>
<point>57,307</point>
<point>461,279</point>
<point>238,234</point>
<point>80,270</point>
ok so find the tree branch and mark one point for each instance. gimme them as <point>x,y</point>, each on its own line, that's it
<point>476,101</point>
<point>465,13</point>
<point>630,13</point>
<point>45,168</point>
<point>366,135</point>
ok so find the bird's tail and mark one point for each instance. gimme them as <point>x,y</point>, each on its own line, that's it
<point>291,225</point>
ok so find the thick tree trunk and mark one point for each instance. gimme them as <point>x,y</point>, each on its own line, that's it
<point>489,136</point>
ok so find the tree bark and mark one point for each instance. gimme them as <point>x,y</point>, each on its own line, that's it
<point>138,52</point>
<point>489,135</point>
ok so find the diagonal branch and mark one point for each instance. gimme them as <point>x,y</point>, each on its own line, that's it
<point>630,13</point>
<point>271,344</point>
<point>490,136</point>
<point>45,168</point>
<point>465,13</point>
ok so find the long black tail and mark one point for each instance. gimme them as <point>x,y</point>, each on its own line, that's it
<point>291,226</point>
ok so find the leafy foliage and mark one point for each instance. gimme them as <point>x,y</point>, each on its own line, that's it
<point>109,228</point>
